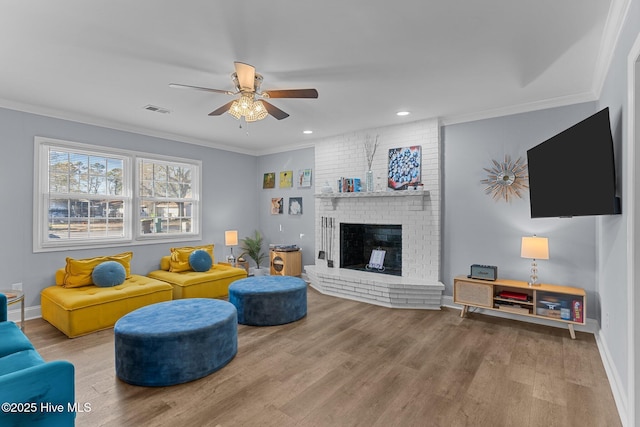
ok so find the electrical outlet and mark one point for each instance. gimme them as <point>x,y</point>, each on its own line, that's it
<point>606,320</point>
<point>16,287</point>
<point>301,235</point>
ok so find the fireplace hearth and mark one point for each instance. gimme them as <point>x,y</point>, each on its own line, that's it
<point>358,241</point>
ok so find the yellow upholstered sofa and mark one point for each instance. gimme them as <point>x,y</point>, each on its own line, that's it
<point>213,283</point>
<point>77,308</point>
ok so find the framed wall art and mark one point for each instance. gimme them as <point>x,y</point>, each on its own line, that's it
<point>304,178</point>
<point>405,167</point>
<point>286,179</point>
<point>295,205</point>
<point>277,207</point>
<point>269,180</point>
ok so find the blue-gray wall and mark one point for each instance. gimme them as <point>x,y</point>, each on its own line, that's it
<point>228,196</point>
<point>481,230</point>
<point>285,228</point>
<point>613,237</point>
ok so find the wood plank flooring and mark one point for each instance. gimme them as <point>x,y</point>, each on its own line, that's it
<point>353,364</point>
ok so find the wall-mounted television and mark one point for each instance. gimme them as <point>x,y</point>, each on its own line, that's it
<point>573,173</point>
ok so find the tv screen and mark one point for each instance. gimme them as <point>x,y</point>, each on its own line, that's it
<point>573,173</point>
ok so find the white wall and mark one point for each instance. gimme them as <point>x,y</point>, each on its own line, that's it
<point>344,156</point>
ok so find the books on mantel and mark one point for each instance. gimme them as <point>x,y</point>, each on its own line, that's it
<point>283,248</point>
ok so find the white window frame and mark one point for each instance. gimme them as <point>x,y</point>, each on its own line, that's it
<point>131,213</point>
<point>196,179</point>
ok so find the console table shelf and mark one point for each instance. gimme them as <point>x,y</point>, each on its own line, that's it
<point>563,304</point>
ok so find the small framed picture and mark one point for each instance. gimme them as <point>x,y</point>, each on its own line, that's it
<point>295,205</point>
<point>304,178</point>
<point>286,179</point>
<point>277,207</point>
<point>269,180</point>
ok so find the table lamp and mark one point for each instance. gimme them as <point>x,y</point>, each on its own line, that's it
<point>231,239</point>
<point>534,248</point>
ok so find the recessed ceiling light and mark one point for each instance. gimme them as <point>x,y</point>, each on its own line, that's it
<point>402,113</point>
<point>307,132</point>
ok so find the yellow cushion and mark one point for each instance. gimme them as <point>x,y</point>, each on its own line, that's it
<point>165,263</point>
<point>180,257</point>
<point>78,271</point>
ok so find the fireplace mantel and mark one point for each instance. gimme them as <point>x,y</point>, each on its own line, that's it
<point>415,196</point>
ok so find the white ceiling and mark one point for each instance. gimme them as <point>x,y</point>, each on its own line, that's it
<point>102,61</point>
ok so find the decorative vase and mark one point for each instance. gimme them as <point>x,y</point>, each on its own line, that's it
<point>369,181</point>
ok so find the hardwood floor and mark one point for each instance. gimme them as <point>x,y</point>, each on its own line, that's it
<point>354,364</point>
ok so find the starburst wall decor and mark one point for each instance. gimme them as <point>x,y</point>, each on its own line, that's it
<point>506,179</point>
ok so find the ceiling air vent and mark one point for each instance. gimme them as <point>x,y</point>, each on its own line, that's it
<point>156,109</point>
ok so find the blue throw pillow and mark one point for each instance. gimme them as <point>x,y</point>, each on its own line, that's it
<point>200,260</point>
<point>108,273</point>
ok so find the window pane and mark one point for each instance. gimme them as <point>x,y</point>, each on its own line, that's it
<point>160,172</point>
<point>78,167</point>
<point>71,219</point>
<point>114,177</point>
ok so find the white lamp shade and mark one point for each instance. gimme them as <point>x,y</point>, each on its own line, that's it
<point>535,248</point>
<point>231,238</point>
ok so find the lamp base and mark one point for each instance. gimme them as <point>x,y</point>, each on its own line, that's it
<point>534,274</point>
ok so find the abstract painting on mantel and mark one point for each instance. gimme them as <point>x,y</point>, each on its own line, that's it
<point>405,167</point>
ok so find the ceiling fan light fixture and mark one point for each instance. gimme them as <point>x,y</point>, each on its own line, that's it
<point>246,107</point>
<point>257,112</point>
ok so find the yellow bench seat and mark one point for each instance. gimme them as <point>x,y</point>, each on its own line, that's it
<point>213,283</point>
<point>80,311</point>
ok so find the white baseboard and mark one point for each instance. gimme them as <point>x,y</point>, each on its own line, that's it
<point>619,393</point>
<point>29,313</point>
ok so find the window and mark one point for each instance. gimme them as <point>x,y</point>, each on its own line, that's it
<point>166,198</point>
<point>89,196</point>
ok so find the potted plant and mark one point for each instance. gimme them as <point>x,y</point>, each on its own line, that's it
<point>252,246</point>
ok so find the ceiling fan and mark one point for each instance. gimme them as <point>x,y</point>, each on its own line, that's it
<point>247,84</point>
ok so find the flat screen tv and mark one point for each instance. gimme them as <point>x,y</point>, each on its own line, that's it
<point>573,173</point>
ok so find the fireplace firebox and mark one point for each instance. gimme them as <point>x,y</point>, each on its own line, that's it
<point>358,241</point>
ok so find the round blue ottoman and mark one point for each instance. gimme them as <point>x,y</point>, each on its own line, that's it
<point>269,300</point>
<point>175,341</point>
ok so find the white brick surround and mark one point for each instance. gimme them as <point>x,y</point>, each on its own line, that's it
<point>419,215</point>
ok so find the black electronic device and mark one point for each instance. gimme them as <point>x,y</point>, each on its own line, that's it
<point>484,272</point>
<point>573,173</point>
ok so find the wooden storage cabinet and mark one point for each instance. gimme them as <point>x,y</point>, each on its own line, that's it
<point>286,263</point>
<point>560,303</point>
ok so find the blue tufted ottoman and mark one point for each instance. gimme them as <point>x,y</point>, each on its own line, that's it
<point>269,300</point>
<point>175,341</point>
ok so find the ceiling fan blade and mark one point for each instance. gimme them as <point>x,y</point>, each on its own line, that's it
<point>205,89</point>
<point>246,76</point>
<point>274,111</point>
<point>222,109</point>
<point>291,93</point>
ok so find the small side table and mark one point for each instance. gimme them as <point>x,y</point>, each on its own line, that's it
<point>15,297</point>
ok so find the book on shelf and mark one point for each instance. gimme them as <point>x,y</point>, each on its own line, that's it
<point>513,295</point>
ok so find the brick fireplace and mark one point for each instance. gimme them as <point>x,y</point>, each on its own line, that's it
<point>417,212</point>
